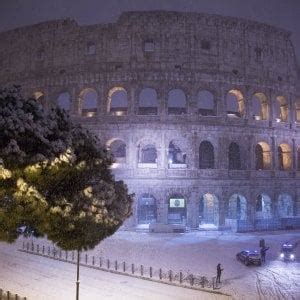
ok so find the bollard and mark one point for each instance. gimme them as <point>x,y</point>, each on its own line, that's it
<point>1,294</point>
<point>43,249</point>
<point>214,283</point>
<point>180,277</point>
<point>93,260</point>
<point>66,255</point>
<point>192,280</point>
<point>170,275</point>
<point>86,259</point>
<point>72,255</point>
<point>202,281</point>
<point>124,266</point>
<point>37,248</point>
<point>100,262</point>
<point>108,264</point>
<point>48,250</point>
<point>8,295</point>
<point>32,246</point>
<point>59,253</point>
<point>116,265</point>
<point>132,268</point>
<point>23,247</point>
<point>160,274</point>
<point>142,270</point>
<point>16,297</point>
<point>150,272</point>
<point>27,246</point>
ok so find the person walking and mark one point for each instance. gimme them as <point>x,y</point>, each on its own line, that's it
<point>219,272</point>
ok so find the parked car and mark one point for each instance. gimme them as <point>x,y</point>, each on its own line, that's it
<point>288,251</point>
<point>249,257</point>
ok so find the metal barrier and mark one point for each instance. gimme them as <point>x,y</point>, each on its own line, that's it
<point>7,295</point>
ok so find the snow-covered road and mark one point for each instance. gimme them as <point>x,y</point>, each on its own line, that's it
<point>195,252</point>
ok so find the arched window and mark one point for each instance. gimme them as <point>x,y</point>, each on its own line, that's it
<point>284,157</point>
<point>208,210</point>
<point>263,207</point>
<point>206,103</point>
<point>260,106</point>
<point>148,154</point>
<point>64,101</point>
<point>281,109</point>
<point>206,155</point>
<point>235,103</point>
<point>148,104</point>
<point>118,149</point>
<point>147,210</point>
<point>88,102</point>
<point>234,157</point>
<point>176,102</point>
<point>39,97</point>
<point>176,156</point>
<point>285,205</point>
<point>262,156</point>
<point>117,102</point>
<point>237,207</point>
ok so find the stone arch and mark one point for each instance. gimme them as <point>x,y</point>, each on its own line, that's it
<point>281,109</point>
<point>148,102</point>
<point>146,209</point>
<point>206,103</point>
<point>263,156</point>
<point>118,149</point>
<point>208,210</point>
<point>177,209</point>
<point>237,207</point>
<point>284,157</point>
<point>234,157</point>
<point>263,207</point>
<point>88,102</point>
<point>206,155</point>
<point>176,154</point>
<point>235,103</point>
<point>117,103</point>
<point>147,153</point>
<point>177,102</point>
<point>285,205</point>
<point>260,106</point>
<point>63,101</point>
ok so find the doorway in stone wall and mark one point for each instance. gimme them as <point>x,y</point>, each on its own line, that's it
<point>147,210</point>
<point>176,210</point>
<point>208,212</point>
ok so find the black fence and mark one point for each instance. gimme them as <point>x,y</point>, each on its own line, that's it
<point>7,295</point>
<point>130,269</point>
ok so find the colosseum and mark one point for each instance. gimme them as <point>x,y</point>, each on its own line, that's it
<point>201,112</point>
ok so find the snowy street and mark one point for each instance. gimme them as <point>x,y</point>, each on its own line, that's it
<point>195,252</point>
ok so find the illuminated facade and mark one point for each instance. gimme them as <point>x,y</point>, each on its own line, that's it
<point>202,112</point>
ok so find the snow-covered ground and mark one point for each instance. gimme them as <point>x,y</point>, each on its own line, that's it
<point>195,252</point>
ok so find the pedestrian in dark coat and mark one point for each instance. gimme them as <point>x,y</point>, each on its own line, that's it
<point>219,272</point>
<point>263,251</point>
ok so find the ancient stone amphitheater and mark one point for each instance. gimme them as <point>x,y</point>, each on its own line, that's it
<point>201,111</point>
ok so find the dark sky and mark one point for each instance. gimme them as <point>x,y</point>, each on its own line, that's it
<point>281,13</point>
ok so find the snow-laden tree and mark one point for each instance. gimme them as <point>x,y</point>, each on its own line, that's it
<point>55,177</point>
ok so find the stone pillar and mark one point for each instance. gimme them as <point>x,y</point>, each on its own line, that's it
<point>294,155</point>
<point>274,153</point>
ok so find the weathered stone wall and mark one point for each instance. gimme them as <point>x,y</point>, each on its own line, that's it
<point>191,52</point>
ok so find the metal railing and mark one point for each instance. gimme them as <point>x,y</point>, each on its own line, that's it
<point>7,295</point>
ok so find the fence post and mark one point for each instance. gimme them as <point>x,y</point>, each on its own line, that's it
<point>108,264</point>
<point>142,270</point>
<point>170,275</point>
<point>23,247</point>
<point>93,260</point>
<point>1,294</point>
<point>59,253</point>
<point>192,280</point>
<point>180,277</point>
<point>16,297</point>
<point>160,274</point>
<point>8,295</point>
<point>214,283</point>
<point>43,249</point>
<point>72,255</point>
<point>37,248</point>
<point>66,255</point>
<point>86,259</point>
<point>116,265</point>
<point>100,262</point>
<point>150,272</point>
<point>27,246</point>
<point>132,268</point>
<point>48,250</point>
<point>124,266</point>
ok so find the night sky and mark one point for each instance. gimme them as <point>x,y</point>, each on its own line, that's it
<point>281,13</point>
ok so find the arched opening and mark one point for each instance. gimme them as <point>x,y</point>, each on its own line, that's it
<point>117,102</point>
<point>284,157</point>
<point>39,97</point>
<point>206,103</point>
<point>260,106</point>
<point>297,106</point>
<point>234,157</point>
<point>281,109</point>
<point>147,209</point>
<point>237,207</point>
<point>176,210</point>
<point>176,102</point>
<point>147,154</point>
<point>235,103</point>
<point>262,156</point>
<point>118,150</point>
<point>88,99</point>
<point>285,205</point>
<point>176,157</point>
<point>148,103</point>
<point>64,101</point>
<point>208,211</point>
<point>206,155</point>
<point>263,207</point>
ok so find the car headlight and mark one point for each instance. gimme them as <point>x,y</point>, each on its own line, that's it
<point>292,256</point>
<point>281,255</point>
